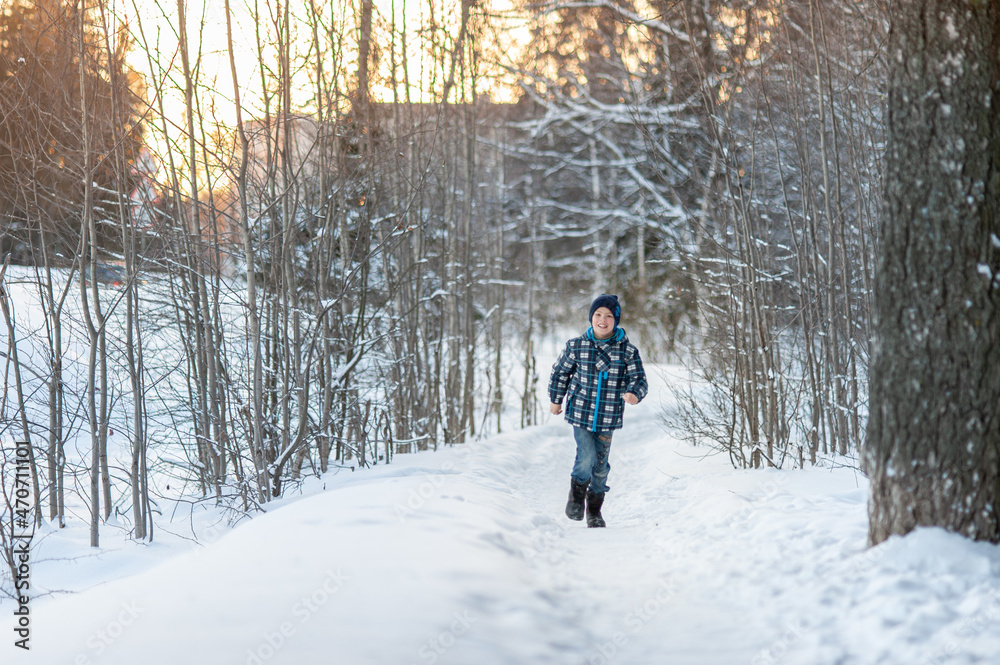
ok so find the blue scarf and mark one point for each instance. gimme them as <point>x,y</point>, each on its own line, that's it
<point>617,336</point>
<point>603,360</point>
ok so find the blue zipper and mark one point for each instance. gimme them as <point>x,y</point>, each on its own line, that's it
<point>600,391</point>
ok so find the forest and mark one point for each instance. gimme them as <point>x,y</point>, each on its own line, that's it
<point>269,240</point>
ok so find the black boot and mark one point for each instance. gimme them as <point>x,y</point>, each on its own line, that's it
<point>594,502</point>
<point>574,507</point>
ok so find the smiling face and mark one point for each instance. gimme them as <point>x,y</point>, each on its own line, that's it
<point>603,322</point>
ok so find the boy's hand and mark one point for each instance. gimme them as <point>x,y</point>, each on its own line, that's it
<point>555,409</point>
<point>631,399</point>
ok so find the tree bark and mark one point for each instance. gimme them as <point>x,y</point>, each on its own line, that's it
<point>19,387</point>
<point>933,449</point>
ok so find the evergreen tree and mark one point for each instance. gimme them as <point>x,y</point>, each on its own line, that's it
<point>41,144</point>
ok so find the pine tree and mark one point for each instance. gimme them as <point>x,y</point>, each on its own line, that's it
<point>40,134</point>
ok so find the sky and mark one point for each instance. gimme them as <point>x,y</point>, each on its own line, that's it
<point>206,23</point>
<point>156,53</point>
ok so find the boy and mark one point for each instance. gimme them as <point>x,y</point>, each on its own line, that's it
<point>598,373</point>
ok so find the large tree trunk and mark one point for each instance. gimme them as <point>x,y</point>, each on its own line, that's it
<point>933,449</point>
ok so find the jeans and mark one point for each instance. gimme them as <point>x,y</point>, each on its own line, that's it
<point>591,465</point>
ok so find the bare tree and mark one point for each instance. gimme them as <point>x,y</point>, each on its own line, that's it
<point>14,359</point>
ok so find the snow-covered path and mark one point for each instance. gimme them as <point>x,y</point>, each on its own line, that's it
<point>464,557</point>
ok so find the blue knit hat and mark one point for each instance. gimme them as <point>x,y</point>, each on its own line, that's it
<point>609,301</point>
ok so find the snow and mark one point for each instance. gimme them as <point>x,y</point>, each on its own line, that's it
<point>949,27</point>
<point>464,556</point>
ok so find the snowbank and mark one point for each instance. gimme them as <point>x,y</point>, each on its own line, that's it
<point>464,556</point>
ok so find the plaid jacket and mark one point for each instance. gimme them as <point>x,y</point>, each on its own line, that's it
<point>594,376</point>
